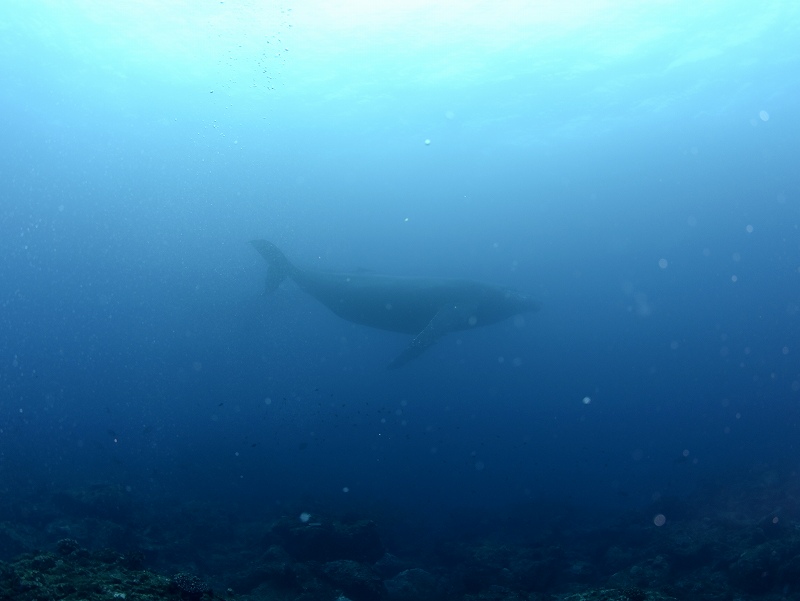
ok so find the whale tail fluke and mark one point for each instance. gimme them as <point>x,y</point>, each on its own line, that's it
<point>279,266</point>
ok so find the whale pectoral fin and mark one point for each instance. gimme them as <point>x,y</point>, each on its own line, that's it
<point>447,319</point>
<point>412,351</point>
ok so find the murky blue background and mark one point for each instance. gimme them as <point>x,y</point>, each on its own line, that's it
<point>634,166</point>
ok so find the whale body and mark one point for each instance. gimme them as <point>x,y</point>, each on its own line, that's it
<point>427,308</point>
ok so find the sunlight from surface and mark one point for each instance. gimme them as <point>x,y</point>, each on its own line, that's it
<point>591,60</point>
<point>419,40</point>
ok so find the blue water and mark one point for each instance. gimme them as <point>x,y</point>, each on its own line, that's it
<point>634,166</point>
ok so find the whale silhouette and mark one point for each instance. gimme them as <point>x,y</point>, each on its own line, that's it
<point>428,307</point>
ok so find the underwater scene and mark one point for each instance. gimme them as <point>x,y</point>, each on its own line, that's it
<point>329,300</point>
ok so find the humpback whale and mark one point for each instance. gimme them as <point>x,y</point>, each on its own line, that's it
<point>427,308</point>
